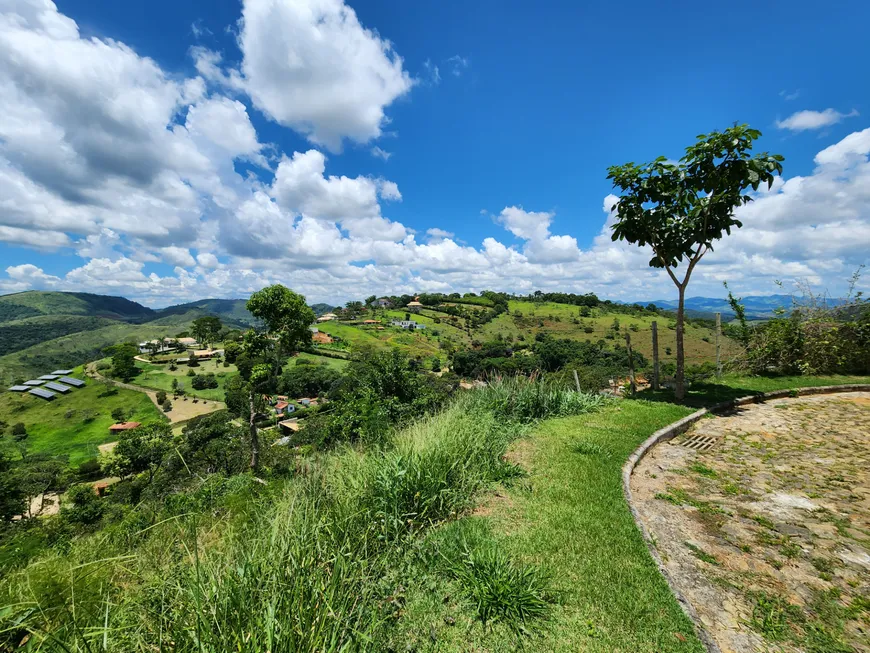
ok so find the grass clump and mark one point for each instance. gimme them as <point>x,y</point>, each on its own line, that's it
<point>525,400</point>
<point>501,589</point>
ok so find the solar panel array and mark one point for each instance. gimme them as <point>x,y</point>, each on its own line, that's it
<point>48,377</point>
<point>19,388</point>
<point>40,392</point>
<point>51,385</point>
<point>71,381</point>
<point>34,382</point>
<point>62,372</point>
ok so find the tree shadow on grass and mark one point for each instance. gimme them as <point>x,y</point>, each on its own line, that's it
<point>699,395</point>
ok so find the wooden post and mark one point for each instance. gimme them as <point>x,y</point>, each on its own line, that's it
<point>576,381</point>
<point>718,344</point>
<point>655,344</point>
<point>630,363</point>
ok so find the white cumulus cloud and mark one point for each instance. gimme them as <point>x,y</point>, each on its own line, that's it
<point>805,120</point>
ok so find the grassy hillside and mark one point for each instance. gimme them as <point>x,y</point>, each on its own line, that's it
<point>523,321</point>
<point>16,335</point>
<point>36,302</point>
<point>564,321</point>
<point>415,343</point>
<point>75,424</point>
<point>84,346</point>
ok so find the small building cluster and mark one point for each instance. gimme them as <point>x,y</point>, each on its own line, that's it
<point>51,384</point>
<point>408,324</point>
<point>169,344</point>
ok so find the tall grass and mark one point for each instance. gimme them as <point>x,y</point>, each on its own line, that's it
<point>523,399</point>
<point>306,574</point>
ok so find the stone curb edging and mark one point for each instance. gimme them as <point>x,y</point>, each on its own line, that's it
<point>681,426</point>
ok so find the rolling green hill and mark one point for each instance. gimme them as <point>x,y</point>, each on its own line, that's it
<point>232,312</point>
<point>84,346</point>
<point>523,322</point>
<point>16,335</point>
<point>37,302</point>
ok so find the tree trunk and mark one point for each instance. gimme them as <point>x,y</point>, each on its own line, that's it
<point>681,362</point>
<point>255,438</point>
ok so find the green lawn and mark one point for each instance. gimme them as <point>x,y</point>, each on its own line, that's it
<point>569,516</point>
<point>160,377</point>
<point>62,427</point>
<point>732,386</point>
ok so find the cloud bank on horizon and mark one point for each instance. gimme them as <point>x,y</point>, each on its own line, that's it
<point>162,187</point>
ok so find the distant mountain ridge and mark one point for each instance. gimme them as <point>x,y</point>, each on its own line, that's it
<point>35,303</point>
<point>757,306</point>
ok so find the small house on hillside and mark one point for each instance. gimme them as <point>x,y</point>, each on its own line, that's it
<point>187,343</point>
<point>371,321</point>
<point>383,302</point>
<point>414,306</point>
<point>123,426</point>
<point>408,324</point>
<point>327,317</point>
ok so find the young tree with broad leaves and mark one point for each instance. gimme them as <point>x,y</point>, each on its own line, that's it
<point>680,209</point>
<point>287,319</point>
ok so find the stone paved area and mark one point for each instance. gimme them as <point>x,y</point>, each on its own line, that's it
<point>767,534</point>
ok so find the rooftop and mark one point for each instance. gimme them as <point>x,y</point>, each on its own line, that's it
<point>124,426</point>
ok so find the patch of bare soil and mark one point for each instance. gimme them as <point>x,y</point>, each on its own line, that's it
<point>767,533</point>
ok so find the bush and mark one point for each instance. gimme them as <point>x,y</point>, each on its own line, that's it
<point>90,469</point>
<point>82,505</point>
<point>161,396</point>
<point>204,381</point>
<point>191,373</point>
<point>119,414</point>
<point>167,406</point>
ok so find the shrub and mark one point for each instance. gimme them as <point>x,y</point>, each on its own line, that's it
<point>167,406</point>
<point>191,373</point>
<point>204,381</point>
<point>161,397</point>
<point>82,505</point>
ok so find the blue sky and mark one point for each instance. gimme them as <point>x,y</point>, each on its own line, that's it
<point>167,151</point>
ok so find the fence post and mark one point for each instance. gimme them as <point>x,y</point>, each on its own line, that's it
<point>718,344</point>
<point>576,381</point>
<point>630,363</point>
<point>655,344</point>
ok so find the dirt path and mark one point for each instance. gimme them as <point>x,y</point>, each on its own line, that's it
<point>767,531</point>
<point>182,409</point>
